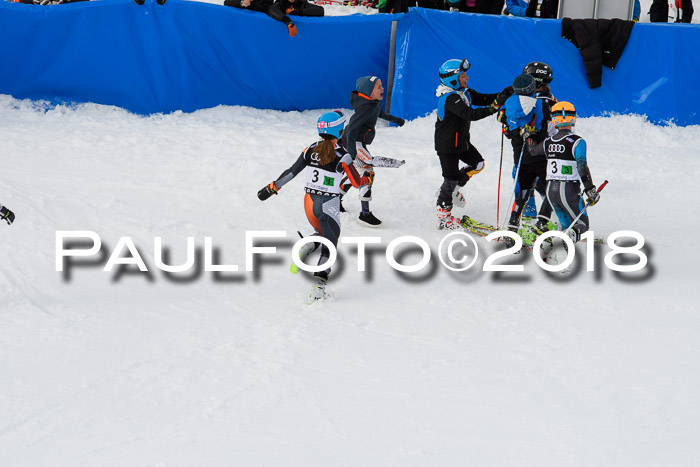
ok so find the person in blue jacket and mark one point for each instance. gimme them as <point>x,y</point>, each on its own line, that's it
<point>524,114</point>
<point>637,11</point>
<point>516,7</point>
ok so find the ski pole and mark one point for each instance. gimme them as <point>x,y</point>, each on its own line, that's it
<point>517,172</point>
<point>600,188</point>
<point>498,197</point>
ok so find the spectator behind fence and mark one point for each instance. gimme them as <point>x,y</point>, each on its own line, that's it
<point>550,8</point>
<point>658,13</point>
<point>280,9</point>
<point>402,6</point>
<point>516,7</point>
<point>542,9</point>
<point>493,7</point>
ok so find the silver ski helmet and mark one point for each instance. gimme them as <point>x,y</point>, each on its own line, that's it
<point>331,124</point>
<point>450,71</point>
<point>542,72</point>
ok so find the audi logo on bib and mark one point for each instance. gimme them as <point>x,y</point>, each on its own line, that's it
<point>556,148</point>
<point>315,157</point>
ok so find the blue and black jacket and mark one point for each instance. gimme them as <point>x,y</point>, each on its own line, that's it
<point>455,114</point>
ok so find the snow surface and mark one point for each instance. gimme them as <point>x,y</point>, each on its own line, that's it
<point>455,369</point>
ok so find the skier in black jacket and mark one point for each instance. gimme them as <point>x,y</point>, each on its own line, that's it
<point>455,114</point>
<point>367,103</point>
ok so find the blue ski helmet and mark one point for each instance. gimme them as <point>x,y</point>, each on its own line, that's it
<point>331,123</point>
<point>450,71</point>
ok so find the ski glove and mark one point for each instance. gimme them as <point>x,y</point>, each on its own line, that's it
<point>292,29</point>
<point>527,132</point>
<point>7,215</point>
<point>268,191</point>
<point>593,196</point>
<point>498,102</point>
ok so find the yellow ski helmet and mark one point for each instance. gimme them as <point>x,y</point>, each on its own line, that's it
<point>563,114</point>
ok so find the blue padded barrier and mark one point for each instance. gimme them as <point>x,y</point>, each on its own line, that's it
<point>185,55</point>
<point>656,75</point>
<point>189,55</point>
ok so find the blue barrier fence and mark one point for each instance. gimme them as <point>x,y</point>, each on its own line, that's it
<point>185,55</point>
<point>656,75</point>
<point>188,55</point>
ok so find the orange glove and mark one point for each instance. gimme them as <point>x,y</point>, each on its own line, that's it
<point>292,29</point>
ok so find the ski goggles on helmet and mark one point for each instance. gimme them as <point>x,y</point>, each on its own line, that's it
<point>463,66</point>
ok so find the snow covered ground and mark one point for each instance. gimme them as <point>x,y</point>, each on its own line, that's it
<point>104,368</point>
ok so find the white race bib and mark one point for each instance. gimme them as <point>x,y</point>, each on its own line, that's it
<point>322,180</point>
<point>562,169</point>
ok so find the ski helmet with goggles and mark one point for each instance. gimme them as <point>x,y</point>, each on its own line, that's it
<point>331,123</point>
<point>450,71</point>
<point>563,114</point>
<point>540,71</point>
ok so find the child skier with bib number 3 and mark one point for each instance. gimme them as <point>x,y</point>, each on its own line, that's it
<point>567,167</point>
<point>326,163</point>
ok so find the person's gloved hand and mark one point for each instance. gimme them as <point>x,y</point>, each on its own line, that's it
<point>499,101</point>
<point>7,215</point>
<point>292,29</point>
<point>527,131</point>
<point>267,191</point>
<point>592,196</point>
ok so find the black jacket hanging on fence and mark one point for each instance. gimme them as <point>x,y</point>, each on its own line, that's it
<point>600,41</point>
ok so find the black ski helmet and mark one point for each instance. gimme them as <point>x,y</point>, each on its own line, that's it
<point>540,71</point>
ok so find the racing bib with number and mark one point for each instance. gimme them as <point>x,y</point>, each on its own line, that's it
<point>562,169</point>
<point>324,181</point>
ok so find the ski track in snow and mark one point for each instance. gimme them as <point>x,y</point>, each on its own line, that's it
<point>453,370</point>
